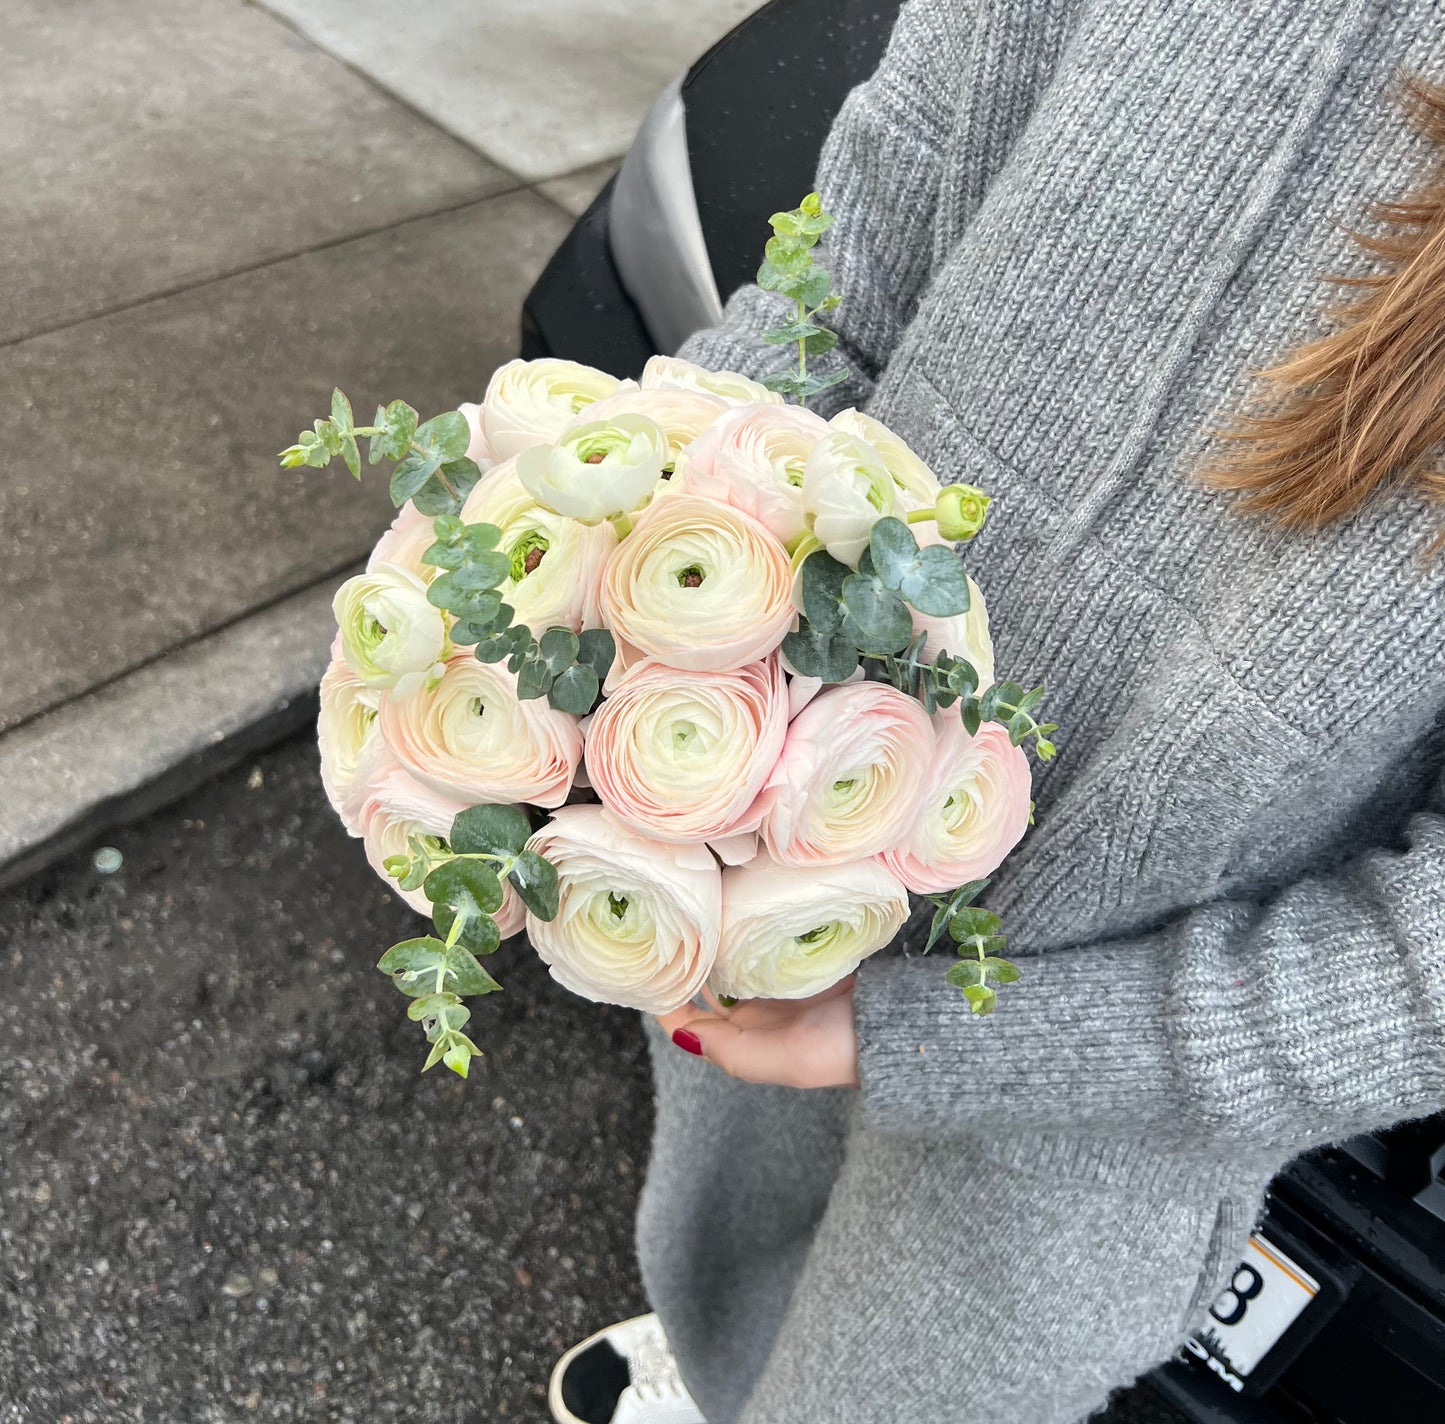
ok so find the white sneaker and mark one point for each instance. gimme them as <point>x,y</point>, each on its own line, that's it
<point>624,1374</point>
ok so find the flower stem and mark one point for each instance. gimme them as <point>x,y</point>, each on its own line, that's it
<point>921,516</point>
<point>622,524</point>
<point>802,348</point>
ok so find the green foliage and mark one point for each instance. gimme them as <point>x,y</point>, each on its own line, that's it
<point>788,269</point>
<point>932,579</point>
<point>462,878</point>
<point>432,468</point>
<point>975,931</point>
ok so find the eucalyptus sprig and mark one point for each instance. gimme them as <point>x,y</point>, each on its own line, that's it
<point>975,932</point>
<point>851,616</point>
<point>434,473</point>
<point>462,877</point>
<point>788,268</point>
<point>433,470</point>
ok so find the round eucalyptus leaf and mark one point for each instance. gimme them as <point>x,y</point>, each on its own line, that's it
<point>490,830</point>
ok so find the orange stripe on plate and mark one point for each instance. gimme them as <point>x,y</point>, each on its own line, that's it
<point>1276,1260</point>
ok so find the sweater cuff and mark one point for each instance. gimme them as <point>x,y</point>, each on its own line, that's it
<point>1080,1041</point>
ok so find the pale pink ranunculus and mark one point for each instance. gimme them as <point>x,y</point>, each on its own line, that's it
<point>556,562</point>
<point>789,932</point>
<point>682,756</point>
<point>973,810</point>
<point>698,585</point>
<point>638,919</point>
<point>410,536</point>
<point>845,787</point>
<point>681,415</point>
<point>471,737</point>
<point>397,808</point>
<point>965,635</point>
<point>346,732</point>
<point>753,459</point>
<point>531,402</point>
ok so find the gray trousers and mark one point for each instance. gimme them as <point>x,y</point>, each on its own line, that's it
<point>809,1270</point>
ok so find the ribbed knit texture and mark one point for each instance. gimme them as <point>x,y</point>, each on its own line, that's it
<point>1066,233</point>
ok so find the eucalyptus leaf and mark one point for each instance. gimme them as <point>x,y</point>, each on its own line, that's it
<point>820,341</point>
<point>341,412</point>
<point>575,690</point>
<point>829,656</point>
<point>811,385</point>
<point>533,680</point>
<point>479,934</point>
<point>409,477</point>
<point>397,423</point>
<point>822,584</point>
<point>465,886</point>
<point>536,882</point>
<point>874,617</point>
<point>490,830</point>
<point>981,999</point>
<point>558,649</point>
<point>448,434</point>
<point>597,649</point>
<point>968,923</point>
<point>964,973</point>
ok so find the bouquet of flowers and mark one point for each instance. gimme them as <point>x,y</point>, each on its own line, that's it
<point>681,678</point>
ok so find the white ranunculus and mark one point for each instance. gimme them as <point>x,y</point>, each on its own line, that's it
<point>345,730</point>
<point>790,933</point>
<point>556,562</point>
<point>662,372</point>
<point>531,402</point>
<point>847,489</point>
<point>965,635</point>
<point>637,921</point>
<point>597,469</point>
<point>916,485</point>
<point>391,637</point>
<point>681,415</point>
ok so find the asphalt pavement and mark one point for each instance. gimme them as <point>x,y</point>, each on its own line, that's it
<point>226,1191</point>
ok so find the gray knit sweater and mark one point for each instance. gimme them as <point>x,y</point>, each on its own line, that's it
<point>1067,230</point>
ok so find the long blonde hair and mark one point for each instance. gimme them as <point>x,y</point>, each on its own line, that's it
<point>1364,406</point>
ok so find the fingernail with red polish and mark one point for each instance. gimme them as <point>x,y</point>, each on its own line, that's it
<point>687,1040</point>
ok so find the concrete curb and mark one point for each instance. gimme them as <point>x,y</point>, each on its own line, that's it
<point>130,747</point>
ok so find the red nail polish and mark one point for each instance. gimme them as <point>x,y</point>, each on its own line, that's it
<point>687,1040</point>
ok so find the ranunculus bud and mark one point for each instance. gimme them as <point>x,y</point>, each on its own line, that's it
<point>638,920</point>
<point>556,562</point>
<point>847,489</point>
<point>917,485</point>
<point>753,458</point>
<point>664,372</point>
<point>682,756</point>
<point>698,585</point>
<point>961,511</point>
<point>391,637</point>
<point>788,933</point>
<point>846,784</point>
<point>532,402</point>
<point>597,468</point>
<point>472,738</point>
<point>973,809</point>
<point>965,635</point>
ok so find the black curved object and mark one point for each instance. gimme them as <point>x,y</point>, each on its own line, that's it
<point>793,63</point>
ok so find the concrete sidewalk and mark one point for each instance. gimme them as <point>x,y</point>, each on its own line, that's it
<point>215,212</point>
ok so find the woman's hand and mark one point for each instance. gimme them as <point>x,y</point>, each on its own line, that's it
<point>798,1043</point>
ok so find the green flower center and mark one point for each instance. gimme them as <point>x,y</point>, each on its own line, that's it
<point>690,577</point>
<point>617,904</point>
<point>527,553</point>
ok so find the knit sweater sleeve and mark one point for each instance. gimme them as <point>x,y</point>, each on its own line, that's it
<point>879,175</point>
<point>1307,1018</point>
